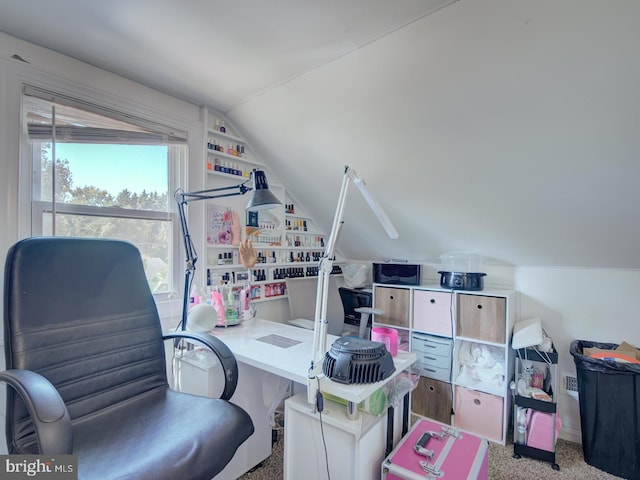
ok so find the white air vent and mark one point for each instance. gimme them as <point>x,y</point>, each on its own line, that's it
<point>570,384</point>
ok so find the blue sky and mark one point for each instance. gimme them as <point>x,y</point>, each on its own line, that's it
<point>116,167</point>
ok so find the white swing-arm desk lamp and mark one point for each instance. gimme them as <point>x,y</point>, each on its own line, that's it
<point>325,268</point>
<point>261,199</point>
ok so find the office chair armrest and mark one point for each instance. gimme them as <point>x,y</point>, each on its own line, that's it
<point>48,412</point>
<point>226,357</point>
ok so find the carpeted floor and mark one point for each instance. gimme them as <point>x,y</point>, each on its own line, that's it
<point>502,465</point>
<point>569,457</point>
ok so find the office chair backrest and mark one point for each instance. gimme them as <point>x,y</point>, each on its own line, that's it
<point>302,294</point>
<point>99,309</point>
<point>351,299</point>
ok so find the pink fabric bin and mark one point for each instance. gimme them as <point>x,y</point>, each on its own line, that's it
<point>478,412</point>
<point>539,433</point>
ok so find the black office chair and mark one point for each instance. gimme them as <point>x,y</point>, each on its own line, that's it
<point>85,357</point>
<point>358,310</point>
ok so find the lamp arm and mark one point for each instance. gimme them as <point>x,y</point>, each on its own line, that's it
<point>206,194</point>
<point>190,253</point>
<point>325,268</point>
<point>322,294</point>
<point>182,199</point>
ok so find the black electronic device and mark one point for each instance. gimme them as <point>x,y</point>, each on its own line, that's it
<point>396,273</point>
<point>356,360</point>
<point>462,280</point>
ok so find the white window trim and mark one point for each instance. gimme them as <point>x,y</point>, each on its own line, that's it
<point>178,175</point>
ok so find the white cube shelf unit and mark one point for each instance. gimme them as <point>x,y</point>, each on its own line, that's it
<point>462,341</point>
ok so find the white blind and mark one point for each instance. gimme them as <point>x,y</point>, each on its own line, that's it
<point>79,121</point>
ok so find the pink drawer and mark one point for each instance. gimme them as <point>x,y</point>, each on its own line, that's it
<point>432,312</point>
<point>479,413</point>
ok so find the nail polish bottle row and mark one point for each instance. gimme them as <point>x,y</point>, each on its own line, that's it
<point>229,167</point>
<point>305,241</point>
<point>236,150</point>
<point>296,225</point>
<point>275,289</point>
<point>228,258</point>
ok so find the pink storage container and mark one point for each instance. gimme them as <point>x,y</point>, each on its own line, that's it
<point>388,336</point>
<point>432,312</point>
<point>456,456</point>
<point>479,413</point>
<point>539,433</point>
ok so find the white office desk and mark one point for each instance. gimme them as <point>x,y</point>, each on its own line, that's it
<point>290,362</point>
<point>261,365</point>
<point>293,362</point>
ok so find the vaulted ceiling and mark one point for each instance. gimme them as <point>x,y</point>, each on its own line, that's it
<point>508,128</point>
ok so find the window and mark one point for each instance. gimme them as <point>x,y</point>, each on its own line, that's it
<point>114,178</point>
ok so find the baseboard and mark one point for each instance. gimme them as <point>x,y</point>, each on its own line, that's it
<point>571,435</point>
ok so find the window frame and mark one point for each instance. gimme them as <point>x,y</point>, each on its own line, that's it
<point>178,162</point>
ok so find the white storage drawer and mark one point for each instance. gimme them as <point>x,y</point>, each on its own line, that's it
<point>421,342</point>
<point>437,373</point>
<point>433,356</point>
<point>433,360</point>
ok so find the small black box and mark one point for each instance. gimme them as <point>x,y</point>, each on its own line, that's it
<point>396,273</point>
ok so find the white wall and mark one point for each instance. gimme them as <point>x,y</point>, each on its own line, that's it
<point>503,127</point>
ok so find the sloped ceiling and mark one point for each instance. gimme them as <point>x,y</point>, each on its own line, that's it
<point>507,128</point>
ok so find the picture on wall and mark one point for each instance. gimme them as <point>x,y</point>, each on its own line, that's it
<point>223,225</point>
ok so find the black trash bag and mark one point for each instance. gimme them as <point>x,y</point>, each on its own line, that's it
<point>609,397</point>
<point>598,364</point>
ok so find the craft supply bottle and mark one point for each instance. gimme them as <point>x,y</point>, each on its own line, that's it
<point>194,296</point>
<point>216,301</point>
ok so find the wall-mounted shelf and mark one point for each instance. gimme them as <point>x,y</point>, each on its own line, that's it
<point>230,156</point>
<point>237,266</point>
<point>263,246</point>
<point>288,244</point>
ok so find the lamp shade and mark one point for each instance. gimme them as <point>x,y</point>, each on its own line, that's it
<point>261,196</point>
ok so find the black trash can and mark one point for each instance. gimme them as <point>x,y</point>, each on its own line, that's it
<point>609,411</point>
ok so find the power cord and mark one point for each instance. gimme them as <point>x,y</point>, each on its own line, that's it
<point>320,408</point>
